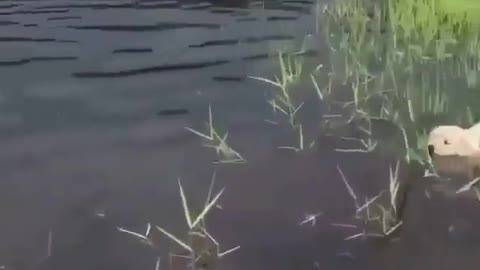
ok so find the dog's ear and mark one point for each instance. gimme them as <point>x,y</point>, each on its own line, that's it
<point>466,145</point>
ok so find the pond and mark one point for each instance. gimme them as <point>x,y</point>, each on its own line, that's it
<point>293,132</point>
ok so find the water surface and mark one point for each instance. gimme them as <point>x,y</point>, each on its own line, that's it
<point>95,98</point>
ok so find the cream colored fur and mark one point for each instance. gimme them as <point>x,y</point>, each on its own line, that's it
<point>453,143</point>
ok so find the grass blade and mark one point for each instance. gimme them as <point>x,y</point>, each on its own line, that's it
<point>133,233</point>
<point>207,209</point>
<point>228,251</point>
<point>210,237</point>
<point>210,121</point>
<point>199,133</point>
<point>157,264</point>
<point>369,202</point>
<point>349,188</point>
<point>468,186</point>
<point>265,80</point>
<point>210,189</point>
<point>392,229</point>
<point>147,232</point>
<point>315,84</point>
<point>172,237</point>
<point>354,236</point>
<point>184,204</point>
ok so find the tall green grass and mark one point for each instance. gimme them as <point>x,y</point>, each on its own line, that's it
<point>418,57</point>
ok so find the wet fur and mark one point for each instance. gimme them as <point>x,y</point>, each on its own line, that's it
<point>456,150</point>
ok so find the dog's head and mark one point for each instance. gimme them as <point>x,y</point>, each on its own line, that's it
<point>452,141</point>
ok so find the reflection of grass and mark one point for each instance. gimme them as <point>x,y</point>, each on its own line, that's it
<point>219,143</point>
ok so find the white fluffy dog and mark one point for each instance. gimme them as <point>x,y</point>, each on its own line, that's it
<point>454,149</point>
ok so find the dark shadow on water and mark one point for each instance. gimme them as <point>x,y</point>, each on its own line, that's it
<point>37,59</point>
<point>6,23</point>
<point>248,40</point>
<point>222,11</point>
<point>142,71</point>
<point>132,50</point>
<point>171,112</point>
<point>268,38</point>
<point>302,2</point>
<point>257,57</point>
<point>34,12</point>
<point>262,56</point>
<point>215,43</point>
<point>199,6</point>
<point>228,79</point>
<point>141,28</point>
<point>87,5</point>
<point>29,39</point>
<point>9,5</point>
<point>63,18</point>
<point>247,19</point>
<point>281,18</point>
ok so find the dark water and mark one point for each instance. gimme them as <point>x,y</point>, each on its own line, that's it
<point>95,98</point>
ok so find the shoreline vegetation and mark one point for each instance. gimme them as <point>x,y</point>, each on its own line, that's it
<point>412,64</point>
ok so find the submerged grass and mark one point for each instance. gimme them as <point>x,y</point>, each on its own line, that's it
<point>225,153</point>
<point>201,248</point>
<point>378,219</point>
<point>203,251</point>
<point>283,99</point>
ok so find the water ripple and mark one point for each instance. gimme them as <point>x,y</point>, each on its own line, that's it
<point>142,28</point>
<point>5,23</point>
<point>24,61</point>
<point>61,18</point>
<point>35,12</point>
<point>146,70</point>
<point>132,50</point>
<point>29,39</point>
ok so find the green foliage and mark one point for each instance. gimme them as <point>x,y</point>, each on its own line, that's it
<point>419,57</point>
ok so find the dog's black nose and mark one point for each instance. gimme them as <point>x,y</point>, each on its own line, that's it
<point>431,150</point>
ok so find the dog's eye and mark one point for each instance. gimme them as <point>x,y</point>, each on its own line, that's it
<point>446,142</point>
